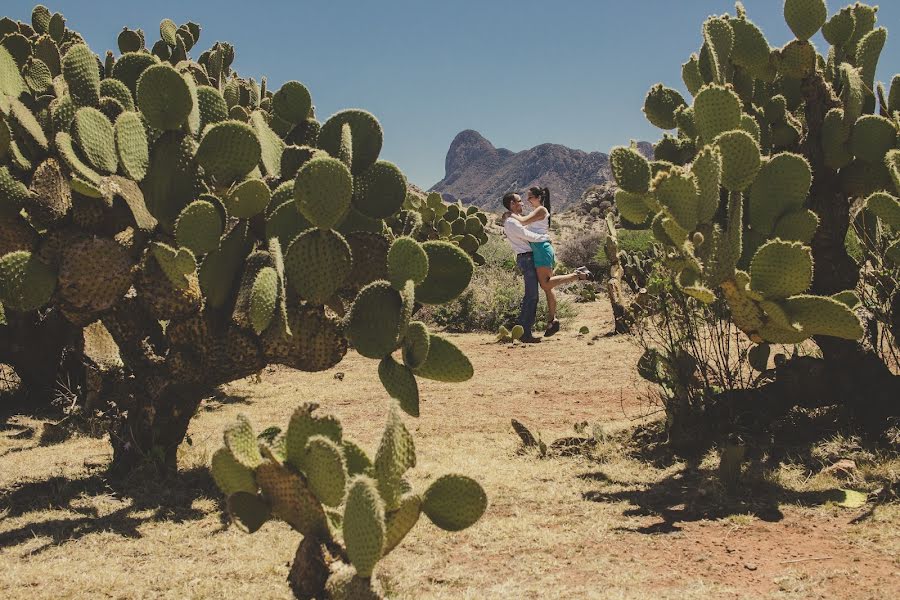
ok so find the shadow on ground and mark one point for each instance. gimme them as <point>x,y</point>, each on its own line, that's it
<point>689,492</point>
<point>139,501</point>
<point>694,494</point>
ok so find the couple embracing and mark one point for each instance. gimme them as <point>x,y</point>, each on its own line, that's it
<point>529,235</point>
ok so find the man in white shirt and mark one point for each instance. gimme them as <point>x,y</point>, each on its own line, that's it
<point>518,238</point>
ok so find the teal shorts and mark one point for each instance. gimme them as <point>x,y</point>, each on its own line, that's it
<point>544,256</point>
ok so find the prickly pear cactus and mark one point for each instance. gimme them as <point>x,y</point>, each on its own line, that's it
<point>351,510</point>
<point>154,188</point>
<point>774,144</point>
<point>428,217</point>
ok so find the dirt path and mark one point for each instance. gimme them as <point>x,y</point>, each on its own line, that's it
<point>556,528</point>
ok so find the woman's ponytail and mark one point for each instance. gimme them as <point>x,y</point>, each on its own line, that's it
<point>545,200</point>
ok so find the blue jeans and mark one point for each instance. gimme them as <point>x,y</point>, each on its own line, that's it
<point>528,311</point>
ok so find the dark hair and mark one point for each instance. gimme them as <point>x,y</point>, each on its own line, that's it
<point>544,195</point>
<point>508,198</point>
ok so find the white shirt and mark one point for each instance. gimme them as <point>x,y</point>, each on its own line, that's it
<point>519,237</point>
<point>541,226</point>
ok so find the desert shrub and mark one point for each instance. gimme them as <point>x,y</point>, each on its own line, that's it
<point>581,249</point>
<point>692,350</point>
<point>635,241</point>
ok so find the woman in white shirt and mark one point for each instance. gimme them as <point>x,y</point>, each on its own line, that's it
<point>538,221</point>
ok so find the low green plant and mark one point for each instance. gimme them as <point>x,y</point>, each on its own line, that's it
<point>352,510</point>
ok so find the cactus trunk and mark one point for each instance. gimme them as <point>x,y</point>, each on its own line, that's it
<point>861,380</point>
<point>154,427</point>
<point>35,347</point>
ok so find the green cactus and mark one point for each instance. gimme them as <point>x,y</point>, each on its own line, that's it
<point>454,502</point>
<point>407,260</point>
<point>317,263</point>
<point>228,151</point>
<point>79,67</point>
<point>199,227</point>
<point>400,382</point>
<point>155,187</point>
<point>449,273</point>
<point>323,189</point>
<point>748,103</point>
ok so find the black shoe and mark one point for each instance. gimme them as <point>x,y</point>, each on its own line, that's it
<point>553,328</point>
<point>586,272</point>
<point>530,340</point>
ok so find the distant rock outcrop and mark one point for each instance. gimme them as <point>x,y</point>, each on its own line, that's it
<point>478,173</point>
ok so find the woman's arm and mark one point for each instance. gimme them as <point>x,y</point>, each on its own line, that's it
<point>536,215</point>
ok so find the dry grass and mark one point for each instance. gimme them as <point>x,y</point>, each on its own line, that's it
<point>625,521</point>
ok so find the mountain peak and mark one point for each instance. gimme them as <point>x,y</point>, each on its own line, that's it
<point>479,173</point>
<point>468,146</point>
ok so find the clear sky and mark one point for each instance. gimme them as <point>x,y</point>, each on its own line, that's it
<point>522,72</point>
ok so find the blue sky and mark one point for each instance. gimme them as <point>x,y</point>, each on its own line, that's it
<point>522,72</point>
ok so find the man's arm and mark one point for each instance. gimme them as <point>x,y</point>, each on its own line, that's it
<point>536,215</point>
<point>514,228</point>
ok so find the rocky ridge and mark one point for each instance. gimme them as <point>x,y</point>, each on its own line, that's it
<point>477,172</point>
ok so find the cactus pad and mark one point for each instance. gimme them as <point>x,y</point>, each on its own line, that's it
<point>445,362</point>
<point>805,17</point>
<point>716,110</point>
<point>199,227</point>
<point>449,273</point>
<point>379,191</point>
<point>241,443</point>
<point>291,499</point>
<point>780,269</point>
<point>228,151</point>
<point>454,502</point>
<point>292,102</point>
<point>248,510</point>
<point>661,104</point>
<point>248,198</point>
<point>396,454</point>
<point>630,169</point>
<point>367,137</point>
<point>26,283</point>
<point>95,137</point>
<point>740,159</point>
<point>399,522</point>
<point>79,67</point>
<point>94,274</point>
<point>824,316</point>
<point>364,526</point>
<point>376,320</point>
<point>872,137</point>
<point>400,383</point>
<point>263,298</point>
<point>230,475</point>
<point>325,469</point>
<point>406,260</point>
<point>131,144</point>
<point>781,186</point>
<point>416,345</point>
<point>323,190</point>
<point>316,264</point>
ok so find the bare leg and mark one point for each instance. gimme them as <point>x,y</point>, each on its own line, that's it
<point>547,283</point>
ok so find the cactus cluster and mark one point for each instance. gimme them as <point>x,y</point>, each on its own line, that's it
<point>430,218</point>
<point>505,335</point>
<point>211,224</point>
<point>728,192</point>
<point>350,509</point>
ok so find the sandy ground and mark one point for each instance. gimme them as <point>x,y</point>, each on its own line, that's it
<point>608,525</point>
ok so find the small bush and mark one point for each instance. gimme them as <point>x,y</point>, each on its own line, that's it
<point>635,241</point>
<point>581,249</point>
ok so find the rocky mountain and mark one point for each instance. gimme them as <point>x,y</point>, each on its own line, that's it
<point>478,173</point>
